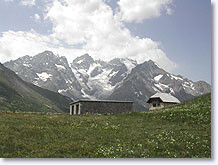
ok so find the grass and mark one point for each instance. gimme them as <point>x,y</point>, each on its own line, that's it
<point>182,131</point>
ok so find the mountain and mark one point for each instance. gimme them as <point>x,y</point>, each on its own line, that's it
<point>98,78</point>
<point>48,71</point>
<point>18,95</point>
<point>118,79</point>
<point>148,78</point>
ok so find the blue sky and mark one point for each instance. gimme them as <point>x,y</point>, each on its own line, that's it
<point>174,33</point>
<point>185,36</point>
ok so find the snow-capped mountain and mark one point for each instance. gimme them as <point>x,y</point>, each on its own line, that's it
<point>148,78</point>
<point>118,79</point>
<point>98,78</point>
<point>48,71</point>
<point>83,78</point>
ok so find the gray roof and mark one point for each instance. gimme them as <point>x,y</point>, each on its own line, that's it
<point>108,101</point>
<point>165,97</point>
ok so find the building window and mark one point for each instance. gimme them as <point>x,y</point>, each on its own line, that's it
<point>154,105</point>
<point>158,104</point>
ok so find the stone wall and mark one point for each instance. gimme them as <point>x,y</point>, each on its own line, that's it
<point>157,107</point>
<point>162,105</point>
<point>105,107</point>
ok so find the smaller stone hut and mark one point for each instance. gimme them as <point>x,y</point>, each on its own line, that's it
<point>100,106</point>
<point>160,100</point>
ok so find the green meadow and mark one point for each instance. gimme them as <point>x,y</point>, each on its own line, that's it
<point>181,131</point>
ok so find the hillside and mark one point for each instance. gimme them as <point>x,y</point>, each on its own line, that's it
<point>181,131</point>
<point>18,95</point>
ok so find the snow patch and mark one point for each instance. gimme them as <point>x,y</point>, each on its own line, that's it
<point>68,82</point>
<point>62,90</point>
<point>113,73</point>
<point>60,67</point>
<point>155,89</point>
<point>138,93</point>
<point>176,77</point>
<point>44,76</point>
<point>102,79</point>
<point>157,78</point>
<point>92,67</point>
<point>192,86</point>
<point>161,86</point>
<point>156,64</point>
<point>185,85</point>
<point>35,83</point>
<point>80,61</point>
<point>27,65</point>
<point>86,95</point>
<point>188,84</point>
<point>78,76</point>
<point>123,75</point>
<point>172,91</point>
<point>129,64</point>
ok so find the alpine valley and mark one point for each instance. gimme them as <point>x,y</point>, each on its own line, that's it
<point>118,79</point>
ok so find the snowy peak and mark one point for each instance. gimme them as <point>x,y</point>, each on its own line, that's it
<point>99,78</point>
<point>47,52</point>
<point>48,71</point>
<point>148,70</point>
<point>83,62</point>
<point>153,63</point>
<point>129,63</point>
<point>151,66</point>
<point>48,58</point>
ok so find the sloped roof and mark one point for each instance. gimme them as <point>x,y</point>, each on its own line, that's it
<point>165,97</point>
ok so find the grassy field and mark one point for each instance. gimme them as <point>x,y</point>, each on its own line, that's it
<point>182,131</point>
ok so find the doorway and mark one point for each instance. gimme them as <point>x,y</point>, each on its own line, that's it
<point>77,108</point>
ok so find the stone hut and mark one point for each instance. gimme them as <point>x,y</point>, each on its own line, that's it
<point>160,100</point>
<point>100,106</point>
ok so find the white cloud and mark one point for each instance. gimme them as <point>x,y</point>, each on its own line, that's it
<point>84,26</point>
<point>28,2</point>
<point>37,17</point>
<point>139,10</point>
<point>21,43</point>
<point>17,44</point>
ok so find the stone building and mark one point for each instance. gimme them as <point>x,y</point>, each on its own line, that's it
<point>100,106</point>
<point>161,100</point>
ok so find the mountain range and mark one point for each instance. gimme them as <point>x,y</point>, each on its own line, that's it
<point>118,79</point>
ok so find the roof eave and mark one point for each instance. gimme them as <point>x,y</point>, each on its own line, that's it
<point>149,100</point>
<point>108,101</point>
